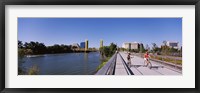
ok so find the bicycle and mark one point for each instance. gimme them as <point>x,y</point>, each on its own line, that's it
<point>129,63</point>
<point>148,62</point>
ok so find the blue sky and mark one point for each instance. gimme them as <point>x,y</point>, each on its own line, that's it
<point>67,31</point>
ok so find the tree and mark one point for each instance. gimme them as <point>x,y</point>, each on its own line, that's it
<point>40,48</point>
<point>165,49</point>
<point>20,44</point>
<point>181,51</point>
<point>147,47</point>
<point>155,48</point>
<point>113,48</point>
<point>108,51</point>
<point>142,50</point>
<point>36,47</point>
<point>21,53</point>
<point>74,47</point>
<point>154,45</point>
<point>28,52</point>
<point>165,43</point>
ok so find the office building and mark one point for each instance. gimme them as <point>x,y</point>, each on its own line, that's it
<point>82,45</point>
<point>131,45</point>
<point>172,44</point>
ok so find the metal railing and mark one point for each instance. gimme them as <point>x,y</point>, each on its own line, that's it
<point>109,67</point>
<point>162,61</point>
<point>128,70</point>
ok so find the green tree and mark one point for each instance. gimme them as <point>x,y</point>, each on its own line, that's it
<point>28,52</point>
<point>36,47</point>
<point>165,43</point>
<point>142,50</point>
<point>147,48</point>
<point>155,48</point>
<point>113,48</point>
<point>108,51</point>
<point>20,44</point>
<point>181,51</point>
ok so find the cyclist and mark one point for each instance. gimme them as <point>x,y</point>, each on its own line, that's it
<point>129,60</point>
<point>146,59</point>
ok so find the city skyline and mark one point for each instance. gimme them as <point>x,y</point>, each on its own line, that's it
<point>67,31</point>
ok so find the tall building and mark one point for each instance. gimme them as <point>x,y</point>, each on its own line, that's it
<point>86,44</point>
<point>126,45</point>
<point>172,44</point>
<point>82,44</point>
<point>101,43</point>
<point>131,45</point>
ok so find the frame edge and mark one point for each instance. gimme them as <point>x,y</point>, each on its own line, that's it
<point>197,38</point>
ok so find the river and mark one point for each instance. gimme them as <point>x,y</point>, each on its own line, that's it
<point>64,64</point>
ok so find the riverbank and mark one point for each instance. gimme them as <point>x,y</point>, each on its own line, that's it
<point>103,63</point>
<point>38,55</point>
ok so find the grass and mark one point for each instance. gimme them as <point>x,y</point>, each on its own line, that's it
<point>168,60</point>
<point>103,63</point>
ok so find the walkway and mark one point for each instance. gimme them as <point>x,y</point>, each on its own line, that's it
<point>120,67</point>
<point>138,68</point>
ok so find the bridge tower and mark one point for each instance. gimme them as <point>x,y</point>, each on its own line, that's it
<point>86,45</point>
<point>101,43</point>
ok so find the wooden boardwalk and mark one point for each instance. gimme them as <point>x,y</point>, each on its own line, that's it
<point>120,67</point>
<point>138,68</point>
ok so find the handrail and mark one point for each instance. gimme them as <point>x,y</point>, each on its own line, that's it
<point>109,67</point>
<point>128,70</point>
<point>165,63</point>
<point>168,63</point>
<point>176,66</point>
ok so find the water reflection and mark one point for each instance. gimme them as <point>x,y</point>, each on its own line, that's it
<point>85,64</point>
<point>64,64</point>
<point>85,57</point>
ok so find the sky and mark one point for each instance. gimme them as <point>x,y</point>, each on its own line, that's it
<point>67,31</point>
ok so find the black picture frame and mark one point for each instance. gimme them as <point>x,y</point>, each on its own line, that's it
<point>3,3</point>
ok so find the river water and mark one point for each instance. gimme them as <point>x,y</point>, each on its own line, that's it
<point>64,64</point>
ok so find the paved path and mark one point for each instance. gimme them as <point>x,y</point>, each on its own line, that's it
<point>137,67</point>
<point>119,67</point>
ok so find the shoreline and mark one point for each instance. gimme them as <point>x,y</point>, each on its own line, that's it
<point>40,55</point>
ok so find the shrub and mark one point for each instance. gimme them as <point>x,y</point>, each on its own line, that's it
<point>34,70</point>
